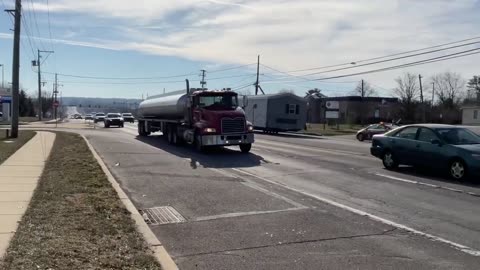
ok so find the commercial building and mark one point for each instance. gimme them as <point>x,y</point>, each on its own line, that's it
<point>354,109</point>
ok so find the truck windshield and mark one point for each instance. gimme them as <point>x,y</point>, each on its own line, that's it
<point>218,102</point>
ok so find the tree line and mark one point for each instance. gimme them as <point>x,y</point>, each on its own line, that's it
<point>28,106</point>
<point>441,99</point>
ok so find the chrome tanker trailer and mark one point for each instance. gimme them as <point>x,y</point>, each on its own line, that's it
<point>199,117</point>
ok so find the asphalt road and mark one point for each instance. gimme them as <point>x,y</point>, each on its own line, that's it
<point>294,203</point>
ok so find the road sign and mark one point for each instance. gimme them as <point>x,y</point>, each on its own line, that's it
<point>5,99</point>
<point>56,103</point>
<point>332,114</point>
<point>332,105</point>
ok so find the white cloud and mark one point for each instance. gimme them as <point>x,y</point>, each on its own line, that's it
<point>288,34</point>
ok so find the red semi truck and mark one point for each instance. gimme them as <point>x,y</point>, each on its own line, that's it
<point>199,117</point>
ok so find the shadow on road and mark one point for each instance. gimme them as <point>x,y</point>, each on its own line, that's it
<point>291,135</point>
<point>436,175</point>
<point>218,157</point>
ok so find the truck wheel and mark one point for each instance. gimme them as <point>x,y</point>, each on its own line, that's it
<point>245,148</point>
<point>141,129</point>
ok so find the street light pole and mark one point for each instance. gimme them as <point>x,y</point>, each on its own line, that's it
<point>3,78</point>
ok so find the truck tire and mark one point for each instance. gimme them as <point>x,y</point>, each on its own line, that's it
<point>141,129</point>
<point>245,148</point>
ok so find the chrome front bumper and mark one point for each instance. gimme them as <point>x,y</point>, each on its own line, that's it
<point>231,139</point>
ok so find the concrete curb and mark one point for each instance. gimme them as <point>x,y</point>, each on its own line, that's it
<point>160,253</point>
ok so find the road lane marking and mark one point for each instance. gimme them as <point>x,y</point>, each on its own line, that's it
<point>251,213</point>
<point>455,245</point>
<point>251,184</point>
<point>427,184</point>
<point>312,148</point>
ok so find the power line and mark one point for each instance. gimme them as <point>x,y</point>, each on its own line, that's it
<point>393,59</point>
<point>286,73</point>
<point>280,80</point>
<point>230,68</point>
<point>24,47</point>
<point>121,78</point>
<point>36,24</point>
<point>27,31</point>
<point>242,87</point>
<point>371,63</point>
<point>386,56</point>
<point>50,35</point>
<point>416,63</point>
<point>151,82</point>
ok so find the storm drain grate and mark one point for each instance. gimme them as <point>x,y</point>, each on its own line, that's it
<point>161,215</point>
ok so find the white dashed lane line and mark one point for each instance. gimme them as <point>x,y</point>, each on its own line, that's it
<point>455,245</point>
<point>427,184</point>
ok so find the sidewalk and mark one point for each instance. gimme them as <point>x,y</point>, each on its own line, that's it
<point>19,176</point>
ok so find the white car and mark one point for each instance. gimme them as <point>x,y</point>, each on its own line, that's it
<point>99,117</point>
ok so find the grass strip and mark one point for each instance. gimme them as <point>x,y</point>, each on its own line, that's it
<point>9,146</point>
<point>75,219</point>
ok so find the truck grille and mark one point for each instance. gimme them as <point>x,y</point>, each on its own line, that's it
<point>230,125</point>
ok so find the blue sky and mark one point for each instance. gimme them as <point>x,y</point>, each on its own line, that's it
<point>152,38</point>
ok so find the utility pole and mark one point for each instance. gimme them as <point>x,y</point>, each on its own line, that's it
<point>3,78</point>
<point>433,93</point>
<point>257,82</point>
<point>363,88</point>
<point>55,92</point>
<point>258,74</point>
<point>17,13</point>
<point>203,82</point>
<point>421,99</point>
<point>39,64</point>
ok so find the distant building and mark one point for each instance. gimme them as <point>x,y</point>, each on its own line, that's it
<point>471,115</point>
<point>355,109</point>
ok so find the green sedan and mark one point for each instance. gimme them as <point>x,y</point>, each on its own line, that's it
<point>455,150</point>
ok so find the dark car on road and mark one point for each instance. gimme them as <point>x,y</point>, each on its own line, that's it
<point>113,119</point>
<point>453,149</point>
<point>128,117</point>
<point>368,132</point>
<point>98,117</point>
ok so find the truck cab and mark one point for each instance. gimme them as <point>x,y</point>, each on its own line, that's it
<point>218,120</point>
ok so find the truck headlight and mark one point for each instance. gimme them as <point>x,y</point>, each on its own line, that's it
<point>250,128</point>
<point>209,130</point>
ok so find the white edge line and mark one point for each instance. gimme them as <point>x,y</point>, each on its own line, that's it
<point>457,246</point>
<point>252,185</point>
<point>160,253</point>
<point>252,213</point>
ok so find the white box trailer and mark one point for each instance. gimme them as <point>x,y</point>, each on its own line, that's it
<point>276,112</point>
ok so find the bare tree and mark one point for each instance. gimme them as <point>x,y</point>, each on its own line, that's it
<point>449,88</point>
<point>408,91</point>
<point>367,91</point>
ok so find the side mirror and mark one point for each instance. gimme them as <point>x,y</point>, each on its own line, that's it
<point>245,101</point>
<point>436,142</point>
